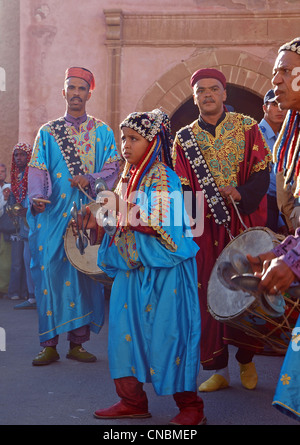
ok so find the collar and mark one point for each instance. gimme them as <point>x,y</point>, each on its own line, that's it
<point>75,121</point>
<point>210,127</point>
<point>267,129</point>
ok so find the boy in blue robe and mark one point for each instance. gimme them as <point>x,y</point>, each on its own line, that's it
<point>154,320</point>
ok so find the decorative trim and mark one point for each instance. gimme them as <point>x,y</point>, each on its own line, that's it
<point>206,181</point>
<point>67,147</point>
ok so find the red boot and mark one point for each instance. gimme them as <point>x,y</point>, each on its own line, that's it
<point>133,403</point>
<point>191,409</point>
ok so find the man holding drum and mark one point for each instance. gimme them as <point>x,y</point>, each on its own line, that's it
<point>69,154</point>
<point>279,268</point>
<point>224,155</point>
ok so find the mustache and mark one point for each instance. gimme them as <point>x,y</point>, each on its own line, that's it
<point>208,100</point>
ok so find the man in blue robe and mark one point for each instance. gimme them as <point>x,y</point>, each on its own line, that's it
<point>69,154</point>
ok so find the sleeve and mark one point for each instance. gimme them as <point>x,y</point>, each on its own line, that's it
<point>292,259</point>
<point>289,243</point>
<point>253,191</point>
<point>254,174</point>
<point>285,199</point>
<point>109,159</point>
<point>39,181</point>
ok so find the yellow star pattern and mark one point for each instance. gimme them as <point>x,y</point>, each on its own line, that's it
<point>285,379</point>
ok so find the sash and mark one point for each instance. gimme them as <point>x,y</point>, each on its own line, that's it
<point>67,146</point>
<point>212,195</point>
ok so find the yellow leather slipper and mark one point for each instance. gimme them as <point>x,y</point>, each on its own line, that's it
<point>248,375</point>
<point>214,383</point>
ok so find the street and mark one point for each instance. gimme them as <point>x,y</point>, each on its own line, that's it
<point>68,392</point>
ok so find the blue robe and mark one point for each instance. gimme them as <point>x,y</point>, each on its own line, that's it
<point>67,299</point>
<point>287,395</point>
<point>154,320</point>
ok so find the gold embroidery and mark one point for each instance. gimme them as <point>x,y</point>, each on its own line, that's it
<point>224,152</point>
<point>157,178</point>
<point>128,337</point>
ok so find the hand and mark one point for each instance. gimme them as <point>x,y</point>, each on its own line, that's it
<point>79,180</point>
<point>6,193</point>
<point>228,191</point>
<point>276,276</point>
<point>88,222</point>
<point>39,207</point>
<point>258,261</point>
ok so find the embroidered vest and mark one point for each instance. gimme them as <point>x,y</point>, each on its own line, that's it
<point>67,146</point>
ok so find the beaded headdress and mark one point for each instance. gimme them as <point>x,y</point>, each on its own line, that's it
<point>287,146</point>
<point>19,179</point>
<point>293,45</point>
<point>155,127</point>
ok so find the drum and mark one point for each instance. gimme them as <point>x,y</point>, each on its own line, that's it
<point>257,315</point>
<point>86,263</point>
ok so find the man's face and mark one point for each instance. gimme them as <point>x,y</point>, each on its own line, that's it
<point>286,79</point>
<point>209,96</point>
<point>273,114</point>
<point>76,92</point>
<point>2,173</point>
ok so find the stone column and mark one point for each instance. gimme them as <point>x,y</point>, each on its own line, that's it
<point>114,21</point>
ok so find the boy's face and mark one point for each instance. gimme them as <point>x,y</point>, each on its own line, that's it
<point>134,146</point>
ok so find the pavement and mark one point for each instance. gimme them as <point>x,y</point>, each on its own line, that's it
<point>68,392</point>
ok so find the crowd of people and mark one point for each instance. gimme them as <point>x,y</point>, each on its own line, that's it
<point>160,328</point>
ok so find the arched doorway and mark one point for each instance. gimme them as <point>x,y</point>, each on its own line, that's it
<point>240,99</point>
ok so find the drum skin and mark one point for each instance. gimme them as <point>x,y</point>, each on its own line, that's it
<point>224,303</point>
<point>245,311</point>
<point>86,263</point>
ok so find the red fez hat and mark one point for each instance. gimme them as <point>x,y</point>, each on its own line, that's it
<point>208,73</point>
<point>82,73</point>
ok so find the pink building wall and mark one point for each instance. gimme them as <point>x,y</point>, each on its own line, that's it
<point>142,53</point>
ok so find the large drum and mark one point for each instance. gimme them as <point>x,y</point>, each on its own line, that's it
<point>86,263</point>
<point>267,318</point>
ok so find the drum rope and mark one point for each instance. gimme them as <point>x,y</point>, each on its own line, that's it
<point>238,213</point>
<point>86,194</point>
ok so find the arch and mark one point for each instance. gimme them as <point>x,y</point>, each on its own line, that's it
<point>242,69</point>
